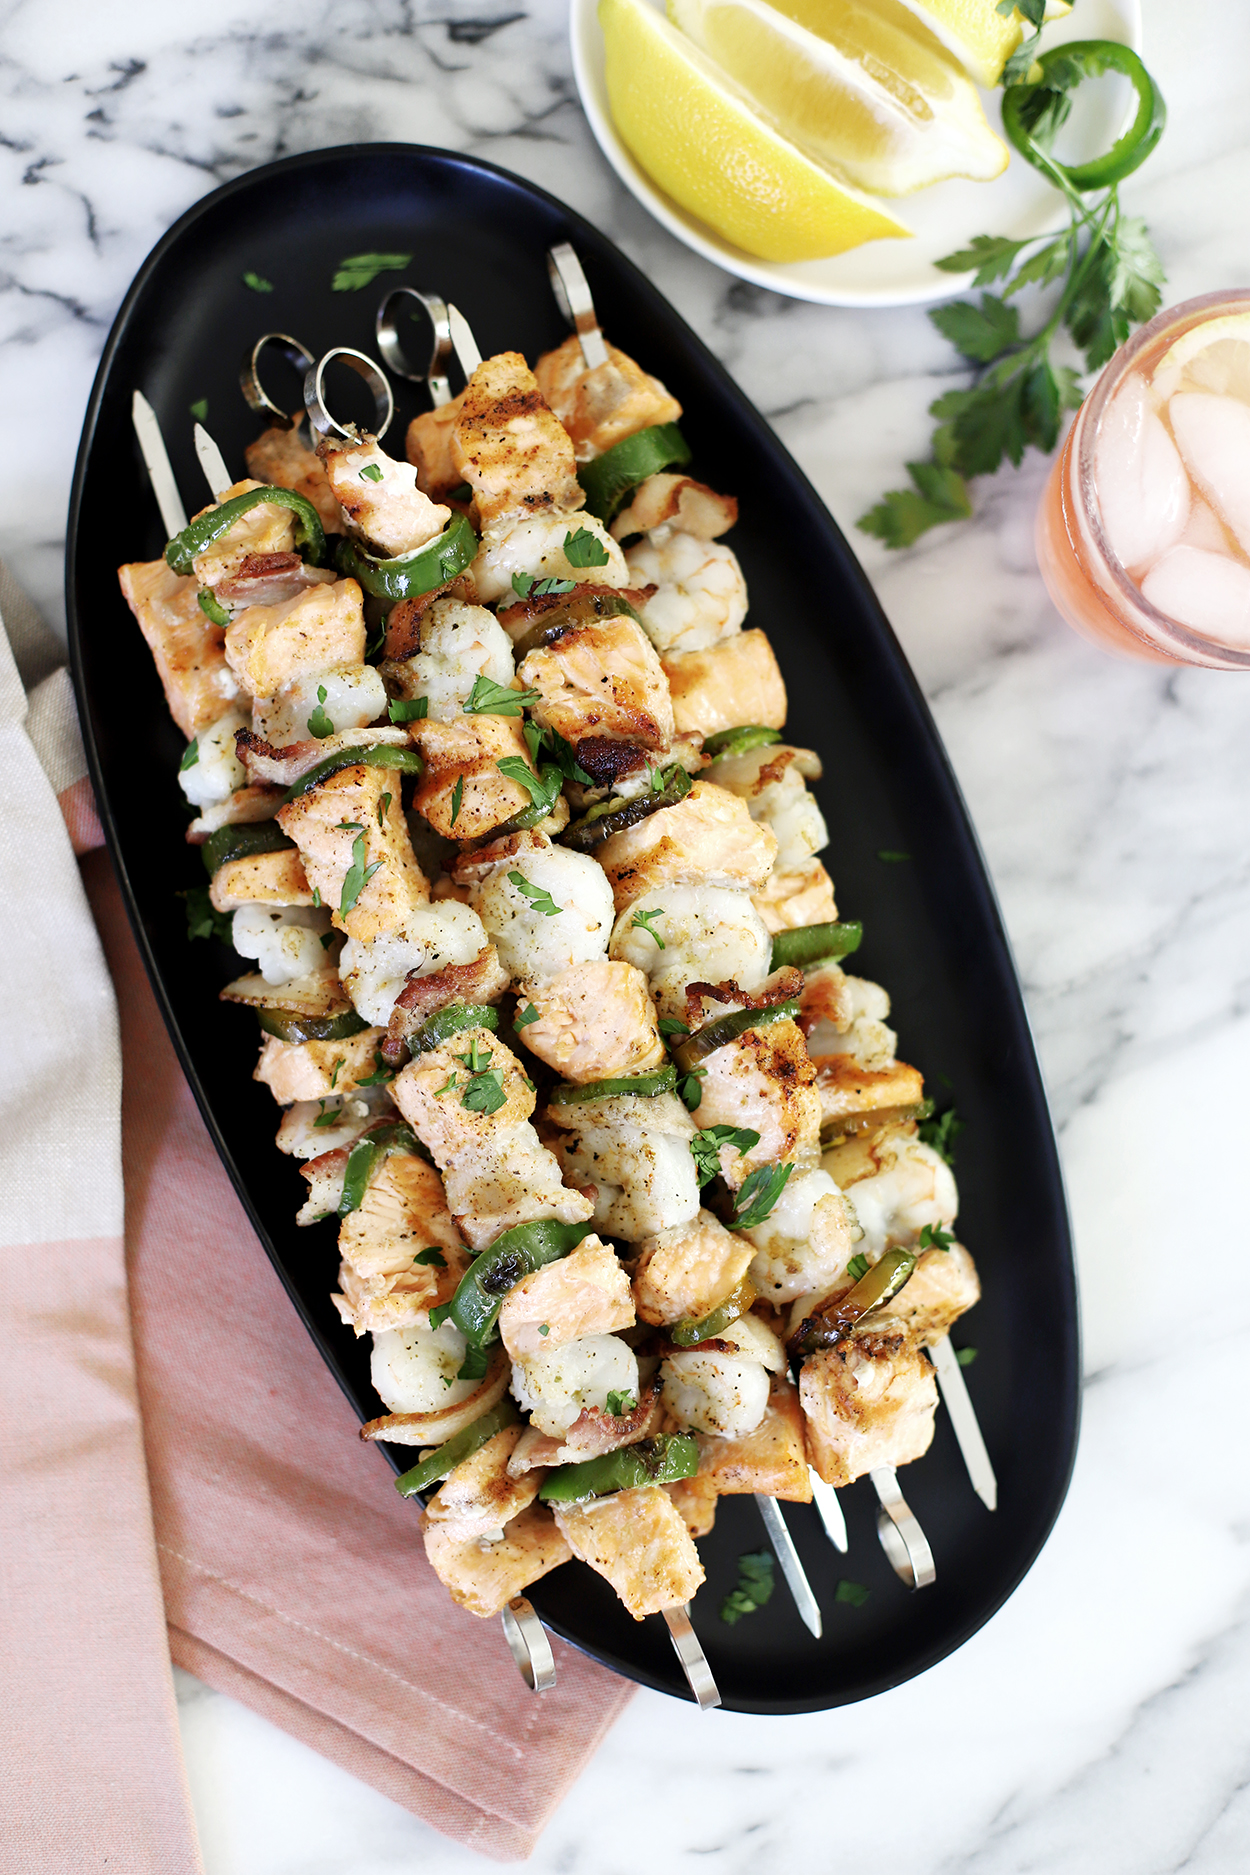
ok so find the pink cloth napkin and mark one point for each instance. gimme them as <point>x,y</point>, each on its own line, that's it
<point>292,1573</point>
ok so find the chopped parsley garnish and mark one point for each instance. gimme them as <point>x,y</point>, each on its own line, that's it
<point>891,858</point>
<point>257,282</point>
<point>463,490</point>
<point>706,1147</point>
<point>941,1132</point>
<point>619,1404</point>
<point>361,270</point>
<point>433,1258</point>
<point>754,1590</point>
<point>341,1062</point>
<point>550,743</point>
<point>966,1356</point>
<point>529,586</point>
<point>523,1017</point>
<point>383,804</point>
<point>585,549</point>
<point>690,1091</point>
<point>199,410</point>
<point>327,938</point>
<point>487,698</point>
<point>190,755</point>
<point>457,796</point>
<point>317,896</point>
<point>371,472</point>
<point>474,1365</point>
<point>381,1075</point>
<point>853,1593</point>
<point>203,918</point>
<point>357,876</point>
<point>409,709</point>
<point>477,1057</point>
<point>447,1086</point>
<point>669,1025</point>
<point>538,895</point>
<point>858,1267</point>
<point>643,920</point>
<point>484,1093</point>
<point>328,1116</point>
<point>544,1328</point>
<point>541,788</point>
<point>759,1192</point>
<point>319,723</point>
<point>932,1238</point>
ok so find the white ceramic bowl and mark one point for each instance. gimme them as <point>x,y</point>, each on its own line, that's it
<point>945,217</point>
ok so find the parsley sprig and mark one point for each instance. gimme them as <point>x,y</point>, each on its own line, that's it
<point>1110,279</point>
<point>706,1147</point>
<point>538,895</point>
<point>754,1590</point>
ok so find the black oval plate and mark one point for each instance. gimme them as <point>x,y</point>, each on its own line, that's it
<point>933,933</point>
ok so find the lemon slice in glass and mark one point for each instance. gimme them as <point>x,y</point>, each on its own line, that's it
<point>1211,357</point>
<point>861,88</point>
<point>976,32</point>
<point>696,136</point>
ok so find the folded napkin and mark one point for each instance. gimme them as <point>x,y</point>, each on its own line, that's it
<point>292,1573</point>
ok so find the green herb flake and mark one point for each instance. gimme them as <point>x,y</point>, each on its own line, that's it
<point>966,1356</point>
<point>585,549</point>
<point>319,723</point>
<point>540,899</point>
<point>690,1091</point>
<point>381,1075</point>
<point>670,1026</point>
<point>643,921</point>
<point>316,896</point>
<point>203,918</point>
<point>754,1590</point>
<point>361,270</point>
<point>409,709</point>
<point>706,1147</point>
<point>529,586</point>
<point>475,1363</point>
<point>190,755</point>
<point>857,1268</point>
<point>891,858</point>
<point>854,1594</point>
<point>542,788</point>
<point>621,1404</point>
<point>523,1017</point>
<point>477,1057</point>
<point>433,1258</point>
<point>357,876</point>
<point>544,1328</point>
<point>257,282</point>
<point>199,410</point>
<point>484,1093</point>
<point>941,1132</point>
<point>457,796</point>
<point>758,1194</point>
<point>932,1238</point>
<point>383,807</point>
<point>447,1086</point>
<point>488,698</point>
<point>371,472</point>
<point>328,1116</point>
<point>340,1063</point>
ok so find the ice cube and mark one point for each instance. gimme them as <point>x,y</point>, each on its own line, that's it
<point>1209,592</point>
<point>1213,435</point>
<point>1204,528</point>
<point>1143,490</point>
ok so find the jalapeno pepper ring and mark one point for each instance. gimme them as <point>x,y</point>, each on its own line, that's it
<point>663,1460</point>
<point>476,1304</point>
<point>412,574</point>
<point>722,1029</point>
<point>811,944</point>
<point>441,1463</point>
<point>608,478</point>
<point>1062,70</point>
<point>180,552</point>
<point>367,1155</point>
<point>648,1085</point>
<point>376,755</point>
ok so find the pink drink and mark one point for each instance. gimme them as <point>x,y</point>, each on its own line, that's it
<point>1143,534</point>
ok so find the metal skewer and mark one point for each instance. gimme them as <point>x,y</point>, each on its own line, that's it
<point>902,1539</point>
<point>791,1567</point>
<point>950,1377</point>
<point>210,458</point>
<point>529,1645</point>
<point>296,355</point>
<point>693,1659</point>
<point>393,354</point>
<point>825,1498</point>
<point>572,291</point>
<point>314,394</point>
<point>463,340</point>
<point>160,470</point>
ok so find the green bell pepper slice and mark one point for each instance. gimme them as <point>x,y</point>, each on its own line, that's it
<point>619,470</point>
<point>180,552</point>
<point>688,1052</point>
<point>811,944</point>
<point>367,1155</point>
<point>411,574</point>
<point>288,1026</point>
<point>663,1460</point>
<point>376,755</point>
<point>613,816</point>
<point>738,741</point>
<point>1032,113</point>
<point>240,840</point>
<point>476,1304</point>
<point>655,1081</point>
<point>441,1463</point>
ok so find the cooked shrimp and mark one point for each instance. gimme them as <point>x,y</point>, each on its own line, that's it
<point>806,1240</point>
<point>459,644</point>
<point>344,696</point>
<point>187,648</point>
<point>707,839</point>
<point>555,1385</point>
<point>537,546</point>
<point>635,1152</point>
<point>428,940</point>
<point>601,406</point>
<point>773,783</point>
<point>601,678</point>
<point>638,1542</point>
<point>380,498</point>
<point>283,460</point>
<point>414,1370</point>
<point>545,910</point>
<point>896,1185</point>
<point>692,932</point>
<point>584,1293</point>
<point>723,1387</point>
<point>869,1402</point>
<point>852,1024</point>
<point>700,597</point>
<point>284,940</point>
<point>713,689</point>
<point>216,771</point>
<point>268,646</point>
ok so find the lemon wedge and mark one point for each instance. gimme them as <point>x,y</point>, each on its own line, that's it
<point>700,141</point>
<point>1211,357</point>
<point>978,35</point>
<point>860,88</point>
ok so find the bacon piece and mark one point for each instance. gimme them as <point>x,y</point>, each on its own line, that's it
<point>482,981</point>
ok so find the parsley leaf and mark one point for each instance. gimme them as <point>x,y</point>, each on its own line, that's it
<point>538,895</point>
<point>550,743</point>
<point>853,1593</point>
<point>451,1081</point>
<point>979,332</point>
<point>383,804</point>
<point>190,755</point>
<point>542,788</point>
<point>319,723</point>
<point>758,1194</point>
<point>644,920</point>
<point>585,549</point>
<point>328,1116</point>
<point>457,796</point>
<point>433,1258</point>
<point>706,1147</point>
<point>361,270</point>
<point>484,1093</point>
<point>935,1238</point>
<point>257,283</point>
<point>203,918</point>
<point>341,1062</point>
<point>669,1025</point>
<point>199,410</point>
<point>857,1267</point>
<point>966,1356</point>
<point>690,1091</point>
<point>754,1590</point>
<point>892,858</point>
<point>381,1074</point>
<point>409,709</point>
<point>477,1057</point>
<point>474,1365</point>
<point>523,1017</point>
<point>619,1404</point>
<point>357,876</point>
<point>371,473</point>
<point>941,1132</point>
<point>488,698</point>
<point>529,586</point>
<point>544,1328</point>
<point>992,255</point>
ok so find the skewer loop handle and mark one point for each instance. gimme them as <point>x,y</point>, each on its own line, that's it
<point>693,1659</point>
<point>572,291</point>
<point>374,377</point>
<point>393,355</point>
<point>902,1539</point>
<point>249,377</point>
<point>529,1646</point>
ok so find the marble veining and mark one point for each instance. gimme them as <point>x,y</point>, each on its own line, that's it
<point>1100,1722</point>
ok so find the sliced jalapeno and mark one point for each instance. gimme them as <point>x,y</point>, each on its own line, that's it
<point>412,573</point>
<point>739,741</point>
<point>610,477</point>
<point>828,1325</point>
<point>811,944</point>
<point>180,552</point>
<point>240,841</point>
<point>558,613</point>
<point>662,1460</point>
<point>290,1027</point>
<point>445,1023</point>
<point>656,1081</point>
<point>614,815</point>
<point>377,755</point>
<point>688,1052</point>
<point>476,1304</point>
<point>461,1445</point>
<point>687,1333</point>
<point>369,1152</point>
<point>1032,113</point>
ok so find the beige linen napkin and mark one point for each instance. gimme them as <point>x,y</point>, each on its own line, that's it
<point>293,1573</point>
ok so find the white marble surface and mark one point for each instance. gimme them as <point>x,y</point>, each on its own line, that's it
<point>1101,1722</point>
